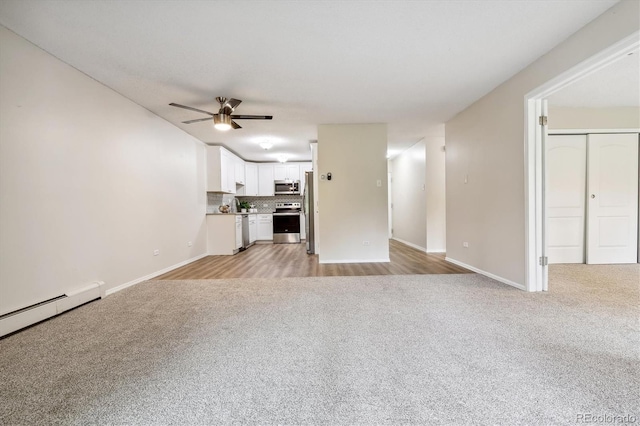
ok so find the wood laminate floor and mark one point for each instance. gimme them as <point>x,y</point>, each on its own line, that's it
<point>292,260</point>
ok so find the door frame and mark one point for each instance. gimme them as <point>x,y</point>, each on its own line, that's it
<point>536,274</point>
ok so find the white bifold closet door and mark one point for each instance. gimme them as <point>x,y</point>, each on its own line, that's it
<point>566,167</point>
<point>592,198</point>
<point>612,203</point>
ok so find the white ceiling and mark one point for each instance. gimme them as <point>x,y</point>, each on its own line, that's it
<point>410,64</point>
<point>616,85</point>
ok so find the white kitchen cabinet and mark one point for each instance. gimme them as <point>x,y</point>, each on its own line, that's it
<point>265,180</point>
<point>228,160</point>
<point>224,176</point>
<point>265,227</point>
<point>238,232</point>
<point>220,170</point>
<point>279,172</point>
<point>253,228</point>
<point>240,176</point>
<point>251,179</point>
<point>222,234</point>
<point>228,174</point>
<point>286,172</point>
<point>239,171</point>
<point>293,171</point>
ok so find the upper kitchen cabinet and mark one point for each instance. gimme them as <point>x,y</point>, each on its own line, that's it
<point>239,171</point>
<point>286,172</point>
<point>240,175</point>
<point>251,179</point>
<point>220,170</point>
<point>265,179</point>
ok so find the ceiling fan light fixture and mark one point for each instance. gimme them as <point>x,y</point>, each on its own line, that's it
<point>266,145</point>
<point>222,122</point>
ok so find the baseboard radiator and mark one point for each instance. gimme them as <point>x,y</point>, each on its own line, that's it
<point>16,320</point>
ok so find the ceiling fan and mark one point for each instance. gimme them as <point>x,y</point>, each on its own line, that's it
<point>223,120</point>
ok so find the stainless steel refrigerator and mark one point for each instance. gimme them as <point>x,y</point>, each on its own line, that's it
<point>309,202</point>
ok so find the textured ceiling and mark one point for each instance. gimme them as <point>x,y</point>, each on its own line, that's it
<point>410,64</point>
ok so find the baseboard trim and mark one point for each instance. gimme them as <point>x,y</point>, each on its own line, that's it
<point>356,261</point>
<point>487,274</point>
<point>153,275</point>
<point>407,243</point>
<point>29,315</point>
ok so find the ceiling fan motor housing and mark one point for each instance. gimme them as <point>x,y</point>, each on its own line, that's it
<point>222,118</point>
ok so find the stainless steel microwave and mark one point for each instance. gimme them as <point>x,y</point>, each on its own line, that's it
<point>287,187</point>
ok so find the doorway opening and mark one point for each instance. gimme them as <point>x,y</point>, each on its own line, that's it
<point>536,137</point>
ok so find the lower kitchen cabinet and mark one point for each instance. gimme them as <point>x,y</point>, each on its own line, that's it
<point>265,227</point>
<point>224,234</point>
<point>238,232</point>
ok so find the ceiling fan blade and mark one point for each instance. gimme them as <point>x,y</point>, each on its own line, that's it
<point>197,120</point>
<point>235,125</point>
<point>252,117</point>
<point>233,103</point>
<point>191,108</point>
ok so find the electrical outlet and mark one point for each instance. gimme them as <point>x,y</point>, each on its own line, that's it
<point>189,244</point>
<point>465,244</point>
<point>365,243</point>
<point>156,252</point>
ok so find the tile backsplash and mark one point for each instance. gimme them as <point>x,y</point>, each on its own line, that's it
<point>215,200</point>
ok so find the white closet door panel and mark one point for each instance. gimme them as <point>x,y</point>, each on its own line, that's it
<point>566,159</point>
<point>612,206</point>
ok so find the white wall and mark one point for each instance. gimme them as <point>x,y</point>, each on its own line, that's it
<point>486,143</point>
<point>409,197</point>
<point>91,183</point>
<point>436,195</point>
<point>593,118</point>
<point>353,209</point>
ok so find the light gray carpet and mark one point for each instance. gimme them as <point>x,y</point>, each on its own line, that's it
<point>427,349</point>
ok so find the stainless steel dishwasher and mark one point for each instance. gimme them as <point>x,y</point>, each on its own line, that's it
<point>246,237</point>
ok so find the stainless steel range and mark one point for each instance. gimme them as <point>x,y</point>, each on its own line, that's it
<point>286,223</point>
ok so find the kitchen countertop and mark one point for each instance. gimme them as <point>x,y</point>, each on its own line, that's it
<point>232,213</point>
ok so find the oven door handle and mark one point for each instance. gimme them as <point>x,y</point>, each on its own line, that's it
<point>286,214</point>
